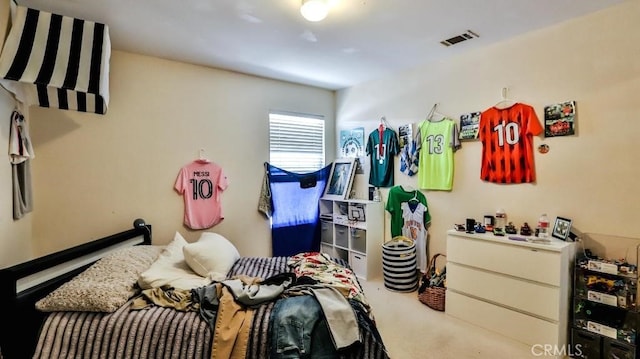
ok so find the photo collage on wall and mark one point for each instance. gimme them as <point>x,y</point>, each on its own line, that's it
<point>469,126</point>
<point>560,119</point>
<point>405,135</point>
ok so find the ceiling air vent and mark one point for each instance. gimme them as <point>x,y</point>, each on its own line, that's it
<point>460,38</point>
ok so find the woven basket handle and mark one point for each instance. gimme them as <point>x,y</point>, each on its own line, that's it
<point>432,264</point>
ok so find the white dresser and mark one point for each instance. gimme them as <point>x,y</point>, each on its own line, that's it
<point>519,289</point>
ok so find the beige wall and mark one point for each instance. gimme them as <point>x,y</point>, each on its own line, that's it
<point>591,177</point>
<point>15,242</point>
<point>95,174</point>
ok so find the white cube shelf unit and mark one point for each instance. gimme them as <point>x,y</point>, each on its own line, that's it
<point>353,230</point>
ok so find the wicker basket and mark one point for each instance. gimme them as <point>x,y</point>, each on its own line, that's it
<point>432,296</point>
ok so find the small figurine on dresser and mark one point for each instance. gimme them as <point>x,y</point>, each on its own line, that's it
<point>510,228</point>
<point>479,228</point>
<point>525,230</point>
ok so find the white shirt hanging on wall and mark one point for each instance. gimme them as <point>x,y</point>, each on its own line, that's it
<point>20,147</point>
<point>20,154</point>
<point>413,227</point>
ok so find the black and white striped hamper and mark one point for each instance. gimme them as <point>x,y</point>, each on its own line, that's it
<point>56,61</point>
<point>399,265</point>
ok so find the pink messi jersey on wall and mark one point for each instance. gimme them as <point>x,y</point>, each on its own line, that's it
<point>201,183</point>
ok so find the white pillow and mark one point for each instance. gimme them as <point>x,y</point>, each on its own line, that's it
<point>211,256</point>
<point>170,269</point>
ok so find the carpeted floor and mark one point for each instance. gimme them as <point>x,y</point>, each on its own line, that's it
<point>410,329</point>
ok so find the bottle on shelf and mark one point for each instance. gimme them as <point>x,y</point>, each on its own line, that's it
<point>377,196</point>
<point>501,222</point>
<point>501,219</point>
<point>543,226</point>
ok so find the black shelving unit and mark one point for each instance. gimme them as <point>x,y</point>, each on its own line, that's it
<point>605,315</point>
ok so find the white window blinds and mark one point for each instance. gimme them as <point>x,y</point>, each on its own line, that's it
<point>296,142</point>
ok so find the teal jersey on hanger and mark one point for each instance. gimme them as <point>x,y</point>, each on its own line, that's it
<point>382,147</point>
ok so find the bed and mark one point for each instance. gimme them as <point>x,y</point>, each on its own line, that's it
<point>143,325</point>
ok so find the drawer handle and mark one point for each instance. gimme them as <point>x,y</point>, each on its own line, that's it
<point>585,336</point>
<point>618,346</point>
<point>357,257</point>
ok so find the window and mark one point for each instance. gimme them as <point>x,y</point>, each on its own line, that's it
<point>296,142</point>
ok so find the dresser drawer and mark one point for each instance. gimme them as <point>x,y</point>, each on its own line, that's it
<point>615,349</point>
<point>531,297</point>
<point>359,240</point>
<point>358,263</point>
<point>342,236</point>
<point>324,248</point>
<point>520,261</point>
<point>589,344</point>
<point>326,234</point>
<point>521,327</point>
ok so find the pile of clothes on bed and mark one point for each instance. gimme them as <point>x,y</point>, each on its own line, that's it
<point>313,298</point>
<point>307,305</point>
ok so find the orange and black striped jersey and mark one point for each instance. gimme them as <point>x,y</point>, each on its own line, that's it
<point>507,143</point>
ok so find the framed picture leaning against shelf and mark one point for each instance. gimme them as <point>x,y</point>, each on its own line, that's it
<point>340,179</point>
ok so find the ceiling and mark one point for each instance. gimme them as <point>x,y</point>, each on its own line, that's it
<point>360,40</point>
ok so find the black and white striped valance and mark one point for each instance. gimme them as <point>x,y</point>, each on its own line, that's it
<point>57,61</point>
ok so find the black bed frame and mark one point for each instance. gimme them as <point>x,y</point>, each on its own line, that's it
<point>20,321</point>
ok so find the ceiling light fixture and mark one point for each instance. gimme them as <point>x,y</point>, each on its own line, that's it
<point>314,10</point>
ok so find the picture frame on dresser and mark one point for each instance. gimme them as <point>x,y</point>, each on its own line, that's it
<point>561,228</point>
<point>340,179</point>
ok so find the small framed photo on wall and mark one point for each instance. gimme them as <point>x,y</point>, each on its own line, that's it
<point>561,228</point>
<point>469,125</point>
<point>560,119</point>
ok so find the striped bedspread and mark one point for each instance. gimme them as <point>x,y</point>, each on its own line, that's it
<point>160,332</point>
